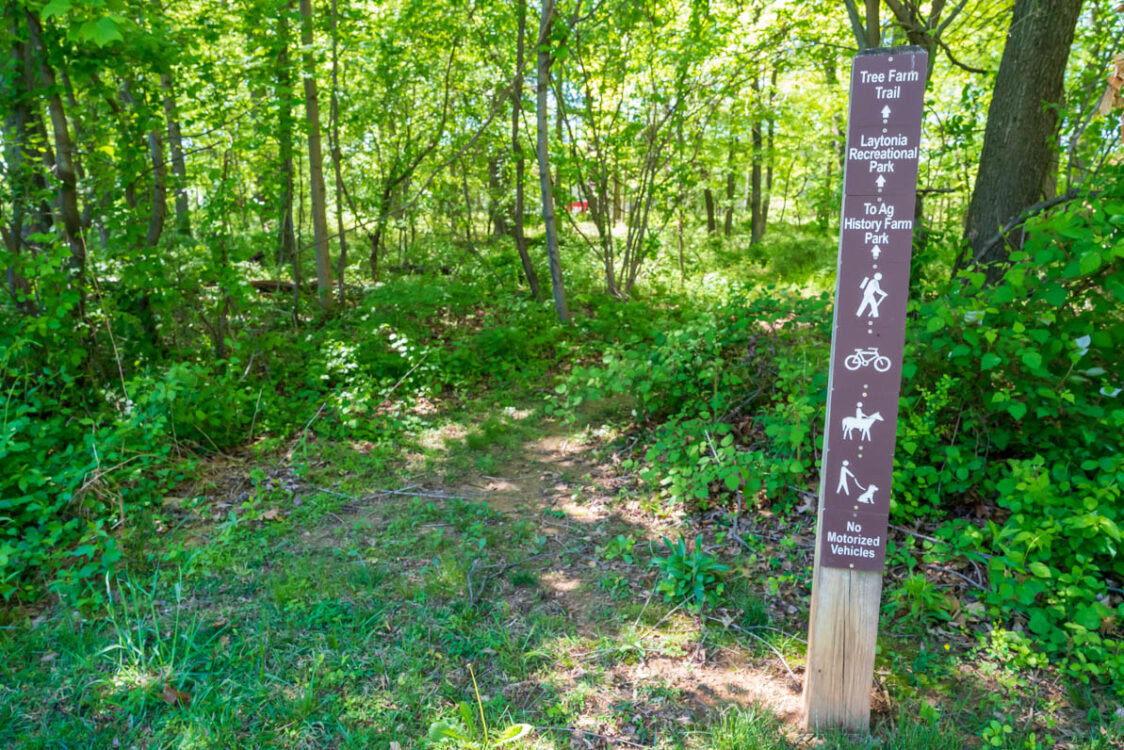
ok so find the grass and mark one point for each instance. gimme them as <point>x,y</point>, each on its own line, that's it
<point>357,631</point>
<point>336,596</point>
<point>351,624</point>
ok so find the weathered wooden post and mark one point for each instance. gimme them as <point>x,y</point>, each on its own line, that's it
<point>868,336</point>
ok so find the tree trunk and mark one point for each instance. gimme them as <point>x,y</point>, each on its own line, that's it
<point>728,223</point>
<point>158,198</point>
<point>545,60</point>
<point>18,155</point>
<point>179,165</point>
<point>517,153</point>
<point>756,224</point>
<point>711,222</point>
<point>469,232</point>
<point>220,249</point>
<point>873,24</point>
<point>318,192</point>
<point>495,197</point>
<point>64,161</point>
<point>286,238</point>
<point>334,137</point>
<point>159,190</point>
<point>617,210</point>
<point>770,154</point>
<point>1021,124</point>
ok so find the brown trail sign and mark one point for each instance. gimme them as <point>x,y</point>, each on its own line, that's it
<point>868,337</point>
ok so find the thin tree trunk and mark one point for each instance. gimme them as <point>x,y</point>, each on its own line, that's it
<point>770,154</point>
<point>873,24</point>
<point>728,224</point>
<point>158,210</point>
<point>711,223</point>
<point>545,60</point>
<point>64,162</point>
<point>222,314</point>
<point>517,153</point>
<point>469,232</point>
<point>159,190</point>
<point>18,157</point>
<point>495,197</point>
<point>334,136</point>
<point>179,165</point>
<point>318,192</point>
<point>617,212</point>
<point>286,238</point>
<point>756,224</point>
<point>679,235</point>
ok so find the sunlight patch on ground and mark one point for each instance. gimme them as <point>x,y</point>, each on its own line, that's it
<point>560,582</point>
<point>439,438</point>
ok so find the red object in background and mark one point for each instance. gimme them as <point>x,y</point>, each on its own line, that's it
<point>580,207</point>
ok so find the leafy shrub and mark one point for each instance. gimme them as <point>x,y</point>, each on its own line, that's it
<point>1013,402</point>
<point>690,575</point>
<point>1011,407</point>
<point>67,481</point>
<point>693,386</point>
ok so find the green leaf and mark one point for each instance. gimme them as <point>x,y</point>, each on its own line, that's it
<point>100,32</point>
<point>1087,617</point>
<point>1040,623</point>
<point>1039,569</point>
<point>1016,409</point>
<point>55,8</point>
<point>514,732</point>
<point>1090,262</point>
<point>1003,295</point>
<point>733,480</point>
<point>1032,359</point>
<point>443,730</point>
<point>989,361</point>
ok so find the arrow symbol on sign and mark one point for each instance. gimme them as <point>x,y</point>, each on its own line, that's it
<point>876,251</point>
<point>885,114</point>
<point>880,182</point>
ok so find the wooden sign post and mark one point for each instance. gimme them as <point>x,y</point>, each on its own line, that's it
<point>868,337</point>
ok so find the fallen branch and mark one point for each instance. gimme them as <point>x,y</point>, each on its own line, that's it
<point>410,490</point>
<point>958,574</point>
<point>475,594</point>
<point>1026,213</point>
<point>586,732</point>
<point>919,535</point>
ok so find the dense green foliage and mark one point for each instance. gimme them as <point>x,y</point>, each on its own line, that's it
<point>192,277</point>
<point>1011,436</point>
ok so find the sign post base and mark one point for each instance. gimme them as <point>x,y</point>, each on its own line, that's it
<point>841,639</point>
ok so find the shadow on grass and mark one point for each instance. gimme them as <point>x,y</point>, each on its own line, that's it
<point>353,622</point>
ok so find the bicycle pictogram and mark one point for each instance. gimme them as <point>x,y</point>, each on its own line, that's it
<point>864,357</point>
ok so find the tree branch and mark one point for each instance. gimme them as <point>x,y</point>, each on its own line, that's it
<point>1025,214</point>
<point>856,23</point>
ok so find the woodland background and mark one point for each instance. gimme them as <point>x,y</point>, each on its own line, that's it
<point>265,228</point>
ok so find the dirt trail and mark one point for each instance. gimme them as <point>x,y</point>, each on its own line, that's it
<point>556,481</point>
<point>639,668</point>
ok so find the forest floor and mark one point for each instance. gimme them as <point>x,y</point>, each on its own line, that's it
<point>334,594</point>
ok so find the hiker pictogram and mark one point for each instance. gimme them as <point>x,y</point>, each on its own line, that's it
<point>873,296</point>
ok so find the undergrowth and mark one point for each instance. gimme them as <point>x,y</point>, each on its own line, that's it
<point>1009,444</point>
